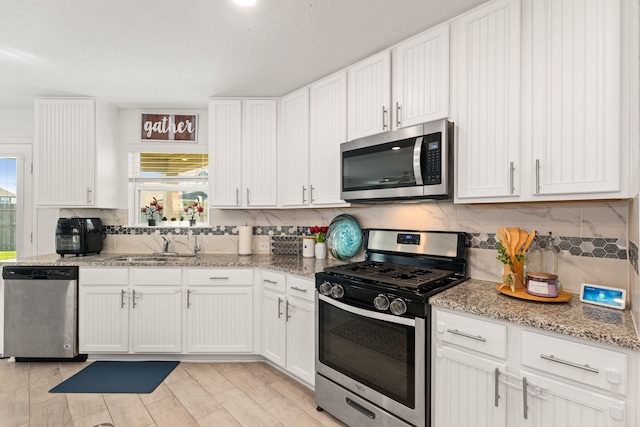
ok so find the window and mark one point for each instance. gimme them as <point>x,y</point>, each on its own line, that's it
<point>176,180</point>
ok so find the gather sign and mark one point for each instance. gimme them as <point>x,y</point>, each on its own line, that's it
<point>169,127</point>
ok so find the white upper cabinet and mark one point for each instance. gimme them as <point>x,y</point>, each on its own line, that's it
<point>242,144</point>
<point>544,100</point>
<point>328,129</point>
<point>75,153</point>
<point>417,91</point>
<point>572,96</point>
<point>487,102</point>
<point>420,79</point>
<point>293,151</point>
<point>259,145</point>
<point>225,145</point>
<point>369,95</point>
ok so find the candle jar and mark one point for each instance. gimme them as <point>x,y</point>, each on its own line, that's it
<point>542,284</point>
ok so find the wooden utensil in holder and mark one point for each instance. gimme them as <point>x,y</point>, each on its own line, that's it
<point>515,243</point>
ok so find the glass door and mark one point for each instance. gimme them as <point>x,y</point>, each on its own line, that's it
<point>15,201</point>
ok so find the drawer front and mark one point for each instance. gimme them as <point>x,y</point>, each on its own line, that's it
<point>219,276</point>
<point>597,367</point>
<point>104,276</point>
<point>157,276</point>
<point>301,288</point>
<point>274,281</point>
<point>472,333</point>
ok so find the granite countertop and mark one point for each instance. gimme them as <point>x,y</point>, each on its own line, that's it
<point>573,318</point>
<point>286,263</point>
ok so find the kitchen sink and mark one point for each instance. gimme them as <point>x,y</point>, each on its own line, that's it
<point>154,259</point>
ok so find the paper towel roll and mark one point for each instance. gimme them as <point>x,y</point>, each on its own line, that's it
<point>245,239</point>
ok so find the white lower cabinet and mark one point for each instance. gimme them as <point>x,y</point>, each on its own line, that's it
<point>141,310</point>
<point>480,375</point>
<point>288,314</point>
<point>219,310</point>
<point>156,325</point>
<point>130,310</point>
<point>103,319</point>
<point>553,403</point>
<point>465,390</point>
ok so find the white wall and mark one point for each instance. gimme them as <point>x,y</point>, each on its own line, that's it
<point>16,123</point>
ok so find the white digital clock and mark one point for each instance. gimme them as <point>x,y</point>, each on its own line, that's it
<point>603,295</point>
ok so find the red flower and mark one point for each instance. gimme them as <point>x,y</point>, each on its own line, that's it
<point>318,233</point>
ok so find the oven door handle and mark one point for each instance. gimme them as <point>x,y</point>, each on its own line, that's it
<point>367,313</point>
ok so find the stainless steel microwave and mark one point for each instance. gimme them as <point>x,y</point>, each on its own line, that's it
<point>408,164</point>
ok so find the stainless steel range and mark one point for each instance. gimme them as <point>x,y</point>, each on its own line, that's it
<point>373,332</point>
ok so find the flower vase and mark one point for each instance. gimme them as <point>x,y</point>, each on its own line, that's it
<point>192,222</point>
<point>321,250</point>
<point>152,223</point>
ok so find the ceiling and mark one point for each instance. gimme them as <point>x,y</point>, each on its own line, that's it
<point>177,54</point>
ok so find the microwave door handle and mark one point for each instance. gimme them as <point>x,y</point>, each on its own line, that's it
<point>417,167</point>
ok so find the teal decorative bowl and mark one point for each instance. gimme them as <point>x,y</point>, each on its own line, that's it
<point>344,237</point>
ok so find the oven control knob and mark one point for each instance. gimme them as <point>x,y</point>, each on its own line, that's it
<point>398,306</point>
<point>325,288</point>
<point>337,291</point>
<point>381,302</point>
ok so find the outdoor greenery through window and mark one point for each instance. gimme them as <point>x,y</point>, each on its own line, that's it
<point>169,187</point>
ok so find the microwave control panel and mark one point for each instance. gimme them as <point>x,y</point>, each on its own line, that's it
<point>433,159</point>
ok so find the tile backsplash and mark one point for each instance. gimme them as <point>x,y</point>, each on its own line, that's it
<point>591,237</point>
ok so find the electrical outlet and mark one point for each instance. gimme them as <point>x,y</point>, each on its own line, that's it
<point>263,246</point>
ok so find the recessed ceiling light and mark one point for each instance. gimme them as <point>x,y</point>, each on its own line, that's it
<point>245,3</point>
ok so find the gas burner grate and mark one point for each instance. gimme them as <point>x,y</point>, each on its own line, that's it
<point>396,275</point>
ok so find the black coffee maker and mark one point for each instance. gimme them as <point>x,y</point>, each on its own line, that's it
<point>79,236</point>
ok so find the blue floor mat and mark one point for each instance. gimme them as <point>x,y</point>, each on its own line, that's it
<point>117,377</point>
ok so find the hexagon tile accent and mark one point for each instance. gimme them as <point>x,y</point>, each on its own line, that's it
<point>595,247</point>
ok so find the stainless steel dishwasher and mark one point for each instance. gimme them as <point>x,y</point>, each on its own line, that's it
<point>40,312</point>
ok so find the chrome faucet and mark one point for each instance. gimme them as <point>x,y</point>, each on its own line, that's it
<point>196,247</point>
<point>165,245</point>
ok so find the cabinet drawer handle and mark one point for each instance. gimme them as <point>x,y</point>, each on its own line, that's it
<point>463,334</point>
<point>295,288</point>
<point>273,282</point>
<point>219,278</point>
<point>586,367</point>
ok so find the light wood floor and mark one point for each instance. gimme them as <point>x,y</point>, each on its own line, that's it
<point>194,394</point>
